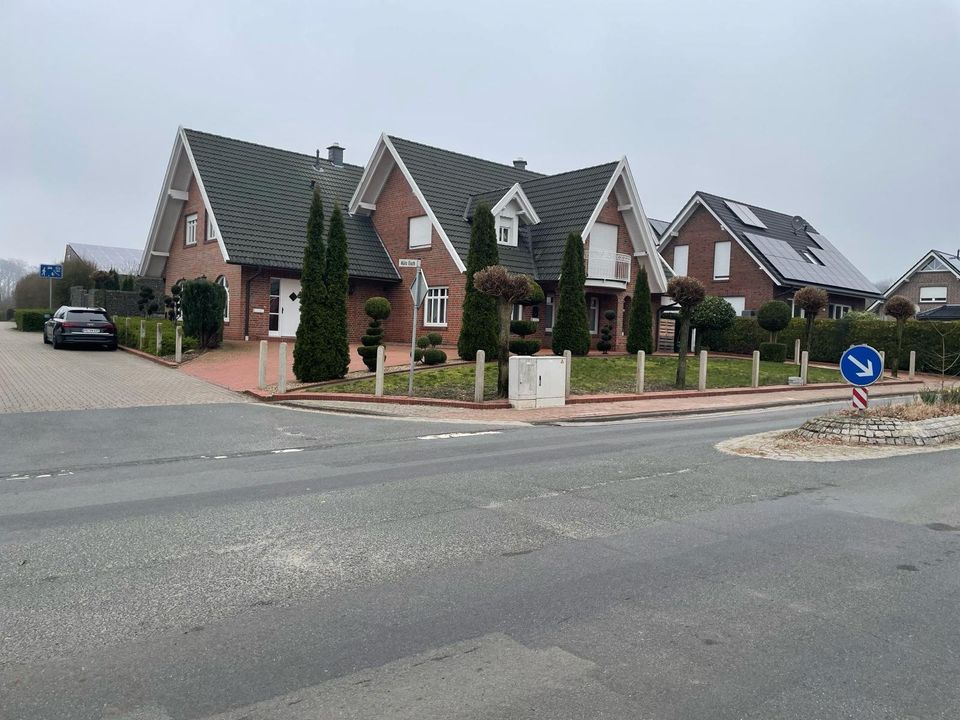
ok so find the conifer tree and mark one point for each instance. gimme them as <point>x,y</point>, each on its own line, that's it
<point>570,330</point>
<point>640,331</point>
<point>336,358</point>
<point>481,325</point>
<point>308,364</point>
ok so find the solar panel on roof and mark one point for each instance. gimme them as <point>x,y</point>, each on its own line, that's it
<point>746,215</point>
<point>835,270</point>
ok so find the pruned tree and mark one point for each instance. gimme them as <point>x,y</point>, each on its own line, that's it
<point>308,361</point>
<point>811,300</point>
<point>336,345</point>
<point>570,329</point>
<point>479,329</point>
<point>508,288</point>
<point>640,332</point>
<point>711,318</point>
<point>377,309</point>
<point>687,292</point>
<point>900,309</point>
<point>606,332</point>
<point>773,317</point>
<point>202,302</point>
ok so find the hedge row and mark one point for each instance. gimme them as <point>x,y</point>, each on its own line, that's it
<point>936,343</point>
<point>30,319</point>
<point>128,334</point>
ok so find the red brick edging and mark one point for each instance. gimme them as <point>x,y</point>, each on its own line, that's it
<point>148,356</point>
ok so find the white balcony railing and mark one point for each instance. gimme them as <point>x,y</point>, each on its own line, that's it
<point>606,265</point>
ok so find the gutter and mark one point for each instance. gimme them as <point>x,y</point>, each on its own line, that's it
<point>246,302</point>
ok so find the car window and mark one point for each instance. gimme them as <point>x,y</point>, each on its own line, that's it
<point>86,316</point>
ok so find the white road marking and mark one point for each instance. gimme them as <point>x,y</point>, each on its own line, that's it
<point>219,457</point>
<point>445,436</point>
<point>287,450</point>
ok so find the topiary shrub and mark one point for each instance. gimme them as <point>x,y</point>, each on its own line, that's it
<point>606,332</point>
<point>811,300</point>
<point>900,309</point>
<point>523,345</point>
<point>712,318</point>
<point>377,309</point>
<point>773,352</point>
<point>202,303</point>
<point>687,292</point>
<point>417,354</point>
<point>434,356</point>
<point>423,342</point>
<point>435,339</point>
<point>773,317</point>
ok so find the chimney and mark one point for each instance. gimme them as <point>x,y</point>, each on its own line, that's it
<point>335,154</point>
<point>520,164</point>
<point>316,163</point>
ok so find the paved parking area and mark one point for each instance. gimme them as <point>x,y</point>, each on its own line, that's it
<point>34,377</point>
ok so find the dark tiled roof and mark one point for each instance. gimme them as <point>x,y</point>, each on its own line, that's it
<point>261,199</point>
<point>781,249</point>
<point>658,227</point>
<point>944,312</point>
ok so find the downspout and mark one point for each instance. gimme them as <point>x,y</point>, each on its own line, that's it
<point>246,302</point>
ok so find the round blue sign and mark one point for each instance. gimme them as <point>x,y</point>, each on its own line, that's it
<point>861,365</point>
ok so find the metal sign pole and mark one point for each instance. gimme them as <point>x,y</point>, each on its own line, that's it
<point>50,301</point>
<point>413,346</point>
<point>418,291</point>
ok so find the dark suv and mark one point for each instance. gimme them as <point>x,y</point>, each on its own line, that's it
<point>80,326</point>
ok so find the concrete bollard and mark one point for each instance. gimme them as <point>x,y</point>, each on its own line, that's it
<point>143,334</point>
<point>567,360</point>
<point>159,338</point>
<point>913,365</point>
<point>804,366</point>
<point>378,383</point>
<point>702,379</point>
<point>883,361</point>
<point>755,370</point>
<point>479,376</point>
<point>282,370</point>
<point>126,331</point>
<point>262,366</point>
<point>641,369</point>
<point>796,351</point>
<point>178,344</point>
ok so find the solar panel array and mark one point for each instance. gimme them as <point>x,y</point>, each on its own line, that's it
<point>746,215</point>
<point>836,270</point>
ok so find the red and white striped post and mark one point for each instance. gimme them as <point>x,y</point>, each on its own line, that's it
<point>860,396</point>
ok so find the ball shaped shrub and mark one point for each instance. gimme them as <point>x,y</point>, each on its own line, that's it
<point>423,341</point>
<point>434,356</point>
<point>377,308</point>
<point>524,346</point>
<point>774,316</point>
<point>535,295</point>
<point>900,308</point>
<point>435,338</point>
<point>523,327</point>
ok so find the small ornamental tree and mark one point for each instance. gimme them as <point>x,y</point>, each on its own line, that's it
<point>811,300</point>
<point>309,363</point>
<point>147,301</point>
<point>711,318</point>
<point>337,347</point>
<point>523,346</point>
<point>377,309</point>
<point>900,309</point>
<point>640,331</point>
<point>202,303</point>
<point>773,317</point>
<point>606,332</point>
<point>508,288</point>
<point>687,292</point>
<point>479,327</point>
<point>570,329</point>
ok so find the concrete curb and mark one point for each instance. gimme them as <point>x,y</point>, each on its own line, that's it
<point>148,356</point>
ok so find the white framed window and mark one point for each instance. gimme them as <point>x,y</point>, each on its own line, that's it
<point>681,254</point>
<point>932,294</point>
<point>419,231</point>
<point>190,230</point>
<point>835,311</point>
<point>435,307</point>
<point>739,304</point>
<point>222,282</point>
<point>506,230</point>
<point>517,312</point>
<point>593,314</point>
<point>211,230</point>
<point>935,265</point>
<point>548,314</point>
<point>721,260</point>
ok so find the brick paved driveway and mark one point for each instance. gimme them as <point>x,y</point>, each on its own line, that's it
<point>35,377</point>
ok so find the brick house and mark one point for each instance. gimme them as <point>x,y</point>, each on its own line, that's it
<point>750,255</point>
<point>236,212</point>
<point>932,283</point>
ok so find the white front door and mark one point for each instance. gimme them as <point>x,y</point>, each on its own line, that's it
<point>289,307</point>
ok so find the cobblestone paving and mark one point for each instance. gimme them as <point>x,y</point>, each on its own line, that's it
<point>34,377</point>
<point>774,446</point>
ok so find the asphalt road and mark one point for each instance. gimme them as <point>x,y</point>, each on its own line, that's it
<point>243,561</point>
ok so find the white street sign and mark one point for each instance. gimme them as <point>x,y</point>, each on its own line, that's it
<point>409,263</point>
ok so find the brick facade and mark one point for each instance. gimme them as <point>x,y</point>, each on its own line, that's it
<point>910,288</point>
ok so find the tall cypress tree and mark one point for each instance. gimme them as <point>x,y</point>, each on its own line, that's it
<point>480,327</point>
<point>570,329</point>
<point>337,351</point>
<point>640,332</point>
<point>308,360</point>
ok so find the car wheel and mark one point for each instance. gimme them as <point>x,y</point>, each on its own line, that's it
<point>46,340</point>
<point>113,347</point>
<point>56,344</point>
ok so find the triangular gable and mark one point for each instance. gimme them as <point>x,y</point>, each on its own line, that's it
<point>917,267</point>
<point>527,210</point>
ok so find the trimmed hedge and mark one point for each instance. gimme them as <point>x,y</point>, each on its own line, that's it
<point>523,346</point>
<point>131,337</point>
<point>30,319</point>
<point>434,356</point>
<point>773,352</point>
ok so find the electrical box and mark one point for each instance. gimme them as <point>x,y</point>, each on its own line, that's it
<point>537,381</point>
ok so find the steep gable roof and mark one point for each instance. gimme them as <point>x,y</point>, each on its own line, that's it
<point>260,197</point>
<point>950,261</point>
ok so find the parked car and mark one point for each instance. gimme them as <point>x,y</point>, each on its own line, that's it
<point>80,326</point>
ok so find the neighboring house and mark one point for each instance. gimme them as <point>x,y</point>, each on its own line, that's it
<point>944,312</point>
<point>934,281</point>
<point>750,255</point>
<point>126,261</point>
<point>237,212</point>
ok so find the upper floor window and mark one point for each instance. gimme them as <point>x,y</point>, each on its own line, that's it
<point>935,265</point>
<point>931,294</point>
<point>506,230</point>
<point>211,230</point>
<point>721,261</point>
<point>190,230</point>
<point>435,307</point>
<point>419,231</point>
<point>680,255</point>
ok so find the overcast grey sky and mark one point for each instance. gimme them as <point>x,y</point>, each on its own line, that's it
<point>847,112</point>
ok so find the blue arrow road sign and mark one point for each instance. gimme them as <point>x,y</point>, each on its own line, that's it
<point>861,365</point>
<point>51,271</point>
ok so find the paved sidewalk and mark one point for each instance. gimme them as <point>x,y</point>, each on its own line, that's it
<point>34,378</point>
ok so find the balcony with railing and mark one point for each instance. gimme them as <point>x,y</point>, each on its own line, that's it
<point>608,269</point>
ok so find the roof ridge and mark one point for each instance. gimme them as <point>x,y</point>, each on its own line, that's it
<point>741,202</point>
<point>269,147</point>
<point>469,157</point>
<point>575,170</point>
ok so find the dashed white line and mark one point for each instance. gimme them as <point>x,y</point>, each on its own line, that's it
<point>445,436</point>
<point>287,450</point>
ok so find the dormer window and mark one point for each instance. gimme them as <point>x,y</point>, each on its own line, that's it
<point>504,238</point>
<point>507,230</point>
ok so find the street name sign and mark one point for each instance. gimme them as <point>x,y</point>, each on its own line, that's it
<point>409,263</point>
<point>51,271</point>
<point>861,365</point>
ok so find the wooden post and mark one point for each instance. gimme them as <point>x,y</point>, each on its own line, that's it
<point>804,366</point>
<point>262,366</point>
<point>378,383</point>
<point>641,369</point>
<point>159,338</point>
<point>913,365</point>
<point>702,379</point>
<point>143,334</point>
<point>755,371</point>
<point>796,351</point>
<point>567,358</point>
<point>282,370</point>
<point>479,376</point>
<point>178,344</point>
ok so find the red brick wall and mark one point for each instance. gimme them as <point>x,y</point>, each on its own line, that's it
<point>701,232</point>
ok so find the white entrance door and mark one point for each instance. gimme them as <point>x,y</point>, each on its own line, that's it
<point>289,307</point>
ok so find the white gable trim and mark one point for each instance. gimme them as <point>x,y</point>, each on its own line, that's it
<point>203,194</point>
<point>384,146</point>
<point>908,275</point>
<point>685,214</point>
<point>638,226</point>
<point>526,207</point>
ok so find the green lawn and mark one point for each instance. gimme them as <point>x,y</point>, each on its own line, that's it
<point>589,375</point>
